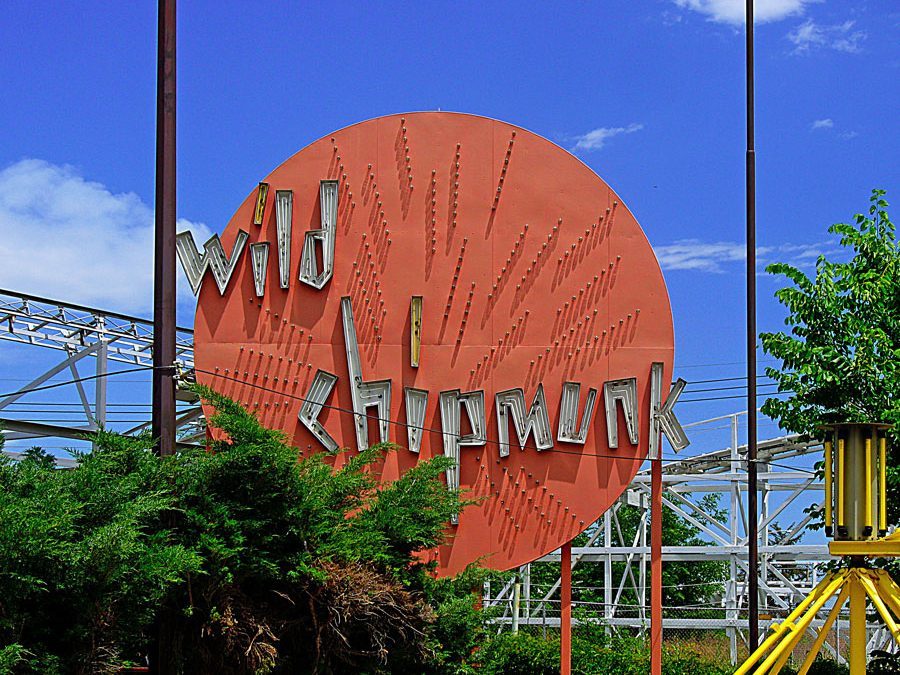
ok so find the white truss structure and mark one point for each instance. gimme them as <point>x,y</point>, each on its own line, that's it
<point>790,495</point>
<point>788,570</point>
<point>80,332</point>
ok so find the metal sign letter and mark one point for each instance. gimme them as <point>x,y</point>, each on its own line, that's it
<point>213,257</point>
<point>450,402</point>
<point>319,390</point>
<point>259,256</point>
<point>537,421</point>
<point>416,403</point>
<point>365,395</point>
<point>662,416</point>
<point>569,431</point>
<point>309,267</point>
<point>284,207</point>
<point>626,392</point>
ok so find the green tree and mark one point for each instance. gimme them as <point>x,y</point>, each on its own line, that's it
<point>83,563</point>
<point>262,561</point>
<point>308,566</point>
<point>684,584</point>
<point>841,355</point>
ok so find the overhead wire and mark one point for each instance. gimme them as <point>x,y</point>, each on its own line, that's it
<point>291,396</point>
<point>347,411</point>
<point>86,378</point>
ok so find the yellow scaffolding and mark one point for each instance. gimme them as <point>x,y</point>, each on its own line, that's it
<point>857,583</point>
<point>855,495</point>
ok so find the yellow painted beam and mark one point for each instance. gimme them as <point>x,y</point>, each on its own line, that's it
<point>883,548</point>
<point>857,625</point>
<point>867,510</point>
<point>882,484</point>
<point>874,595</point>
<point>828,481</point>
<point>840,483</point>
<point>791,640</point>
<point>890,592</point>
<point>823,632</point>
<point>777,641</point>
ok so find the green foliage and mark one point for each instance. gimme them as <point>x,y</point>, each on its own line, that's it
<point>519,654</point>
<point>262,562</point>
<point>593,653</point>
<point>840,356</point>
<point>824,665</point>
<point>683,583</point>
<point>880,663</point>
<point>82,560</point>
<point>459,627</point>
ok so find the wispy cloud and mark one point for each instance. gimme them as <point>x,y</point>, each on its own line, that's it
<point>842,37</point>
<point>733,11</point>
<point>68,238</point>
<point>693,254</point>
<point>721,256</point>
<point>827,125</point>
<point>596,139</point>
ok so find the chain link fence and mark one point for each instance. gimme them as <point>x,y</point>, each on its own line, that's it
<point>709,631</point>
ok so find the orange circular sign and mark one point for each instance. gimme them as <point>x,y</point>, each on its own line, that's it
<point>455,285</point>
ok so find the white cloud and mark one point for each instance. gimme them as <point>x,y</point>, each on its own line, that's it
<point>596,139</point>
<point>733,11</point>
<point>827,123</point>
<point>841,37</point>
<point>67,238</point>
<point>719,257</point>
<point>693,254</point>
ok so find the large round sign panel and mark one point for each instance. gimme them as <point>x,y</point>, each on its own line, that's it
<point>453,284</point>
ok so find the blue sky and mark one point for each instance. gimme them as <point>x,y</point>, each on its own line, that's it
<point>650,94</point>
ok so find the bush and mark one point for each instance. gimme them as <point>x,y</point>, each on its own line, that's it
<point>828,666</point>
<point>593,653</point>
<point>259,562</point>
<point>519,654</point>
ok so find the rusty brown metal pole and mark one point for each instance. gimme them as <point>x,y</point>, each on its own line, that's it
<point>163,421</point>
<point>752,508</point>
<point>162,656</point>
<point>656,536</point>
<point>565,609</point>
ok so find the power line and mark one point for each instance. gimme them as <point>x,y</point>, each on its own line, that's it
<point>76,381</point>
<point>404,425</point>
<point>725,398</point>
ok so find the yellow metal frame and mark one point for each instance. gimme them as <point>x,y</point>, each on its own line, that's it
<point>882,484</point>
<point>855,583</point>
<point>867,507</point>
<point>886,547</point>
<point>840,487</point>
<point>828,489</point>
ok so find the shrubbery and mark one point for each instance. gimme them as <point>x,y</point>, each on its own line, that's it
<point>258,562</point>
<point>593,653</point>
<point>254,562</point>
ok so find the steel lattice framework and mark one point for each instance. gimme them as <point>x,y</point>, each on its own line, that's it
<point>33,320</point>
<point>788,570</point>
<point>80,332</point>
